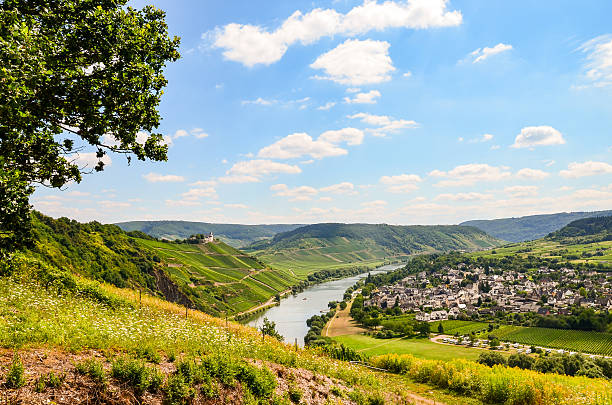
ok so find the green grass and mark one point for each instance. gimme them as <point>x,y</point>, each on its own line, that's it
<point>461,327</point>
<point>421,348</point>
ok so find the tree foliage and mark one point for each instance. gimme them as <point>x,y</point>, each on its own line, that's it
<point>74,73</point>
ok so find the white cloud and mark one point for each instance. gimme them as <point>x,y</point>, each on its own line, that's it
<point>374,204</point>
<point>180,133</point>
<point>197,193</point>
<point>259,101</point>
<point>538,136</point>
<point>345,188</point>
<point>302,193</point>
<point>326,199</point>
<point>521,191</point>
<point>327,106</point>
<point>407,74</point>
<point>78,194</point>
<point>141,138</point>
<point>470,174</point>
<point>482,139</point>
<point>114,204</point>
<point>598,68</point>
<point>532,174</point>
<point>162,178</point>
<point>199,133</point>
<point>481,54</point>
<point>182,203</point>
<point>89,160</point>
<point>353,90</point>
<point>351,136</point>
<point>463,197</point>
<point>384,123</point>
<point>204,183</point>
<point>590,168</point>
<point>251,171</point>
<point>301,144</point>
<point>237,206</point>
<point>356,63</point>
<point>403,183</point>
<point>364,98</point>
<point>252,45</point>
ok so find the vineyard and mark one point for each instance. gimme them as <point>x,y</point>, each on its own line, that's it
<point>462,327</point>
<point>574,340</point>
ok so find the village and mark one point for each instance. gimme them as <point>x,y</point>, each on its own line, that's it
<point>465,290</point>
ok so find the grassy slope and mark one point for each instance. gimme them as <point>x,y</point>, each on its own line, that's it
<point>329,246</point>
<point>32,318</point>
<point>234,235</point>
<point>530,227</point>
<point>225,279</point>
<point>216,278</point>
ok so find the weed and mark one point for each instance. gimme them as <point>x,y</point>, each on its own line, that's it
<point>92,368</point>
<point>260,381</point>
<point>148,353</point>
<point>177,391</point>
<point>16,375</point>
<point>295,394</point>
<point>50,380</point>
<point>336,391</point>
<point>136,374</point>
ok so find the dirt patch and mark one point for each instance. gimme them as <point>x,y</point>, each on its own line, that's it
<point>342,324</point>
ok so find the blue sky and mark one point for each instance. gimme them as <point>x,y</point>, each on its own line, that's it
<point>403,112</point>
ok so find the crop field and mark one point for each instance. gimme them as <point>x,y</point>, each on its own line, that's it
<point>579,341</point>
<point>225,280</point>
<point>461,327</point>
<point>421,348</point>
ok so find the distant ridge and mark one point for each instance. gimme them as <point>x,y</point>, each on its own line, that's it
<point>531,227</point>
<point>233,234</point>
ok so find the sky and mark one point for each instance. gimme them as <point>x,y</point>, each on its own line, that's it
<point>398,111</point>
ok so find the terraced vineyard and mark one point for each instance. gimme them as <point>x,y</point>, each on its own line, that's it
<point>574,340</point>
<point>223,280</point>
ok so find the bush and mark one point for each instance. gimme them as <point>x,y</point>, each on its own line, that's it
<point>50,380</point>
<point>295,394</point>
<point>136,374</point>
<point>260,381</point>
<point>521,360</point>
<point>491,359</point>
<point>177,391</point>
<point>16,375</point>
<point>93,369</point>
<point>149,354</point>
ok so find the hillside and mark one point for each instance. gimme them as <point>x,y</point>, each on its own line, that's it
<point>341,245</point>
<point>234,235</point>
<point>75,341</point>
<point>212,277</point>
<point>530,227</point>
<point>598,229</point>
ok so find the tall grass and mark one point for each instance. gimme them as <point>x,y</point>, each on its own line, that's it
<point>499,384</point>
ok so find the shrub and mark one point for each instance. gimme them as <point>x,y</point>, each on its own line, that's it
<point>137,375</point>
<point>16,375</point>
<point>177,391</point>
<point>521,360</point>
<point>50,380</point>
<point>148,354</point>
<point>93,369</point>
<point>260,381</point>
<point>295,394</point>
<point>335,390</point>
<point>491,359</point>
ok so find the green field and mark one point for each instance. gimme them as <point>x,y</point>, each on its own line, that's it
<point>573,340</point>
<point>222,279</point>
<point>421,348</point>
<point>462,327</point>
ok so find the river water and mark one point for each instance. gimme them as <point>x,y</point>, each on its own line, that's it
<point>291,315</point>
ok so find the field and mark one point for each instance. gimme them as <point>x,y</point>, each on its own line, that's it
<point>573,340</point>
<point>224,280</point>
<point>461,327</point>
<point>421,348</point>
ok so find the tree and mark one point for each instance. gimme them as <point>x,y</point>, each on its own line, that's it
<point>521,360</point>
<point>440,328</point>
<point>491,358</point>
<point>269,329</point>
<point>75,74</point>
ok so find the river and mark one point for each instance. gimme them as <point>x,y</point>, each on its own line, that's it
<point>291,315</point>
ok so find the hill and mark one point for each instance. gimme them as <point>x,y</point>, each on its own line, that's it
<point>72,341</point>
<point>232,234</point>
<point>589,230</point>
<point>336,245</point>
<point>212,277</point>
<point>530,227</point>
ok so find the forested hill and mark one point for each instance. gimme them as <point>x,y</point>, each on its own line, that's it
<point>232,234</point>
<point>588,229</point>
<point>212,277</point>
<point>340,245</point>
<point>530,227</point>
